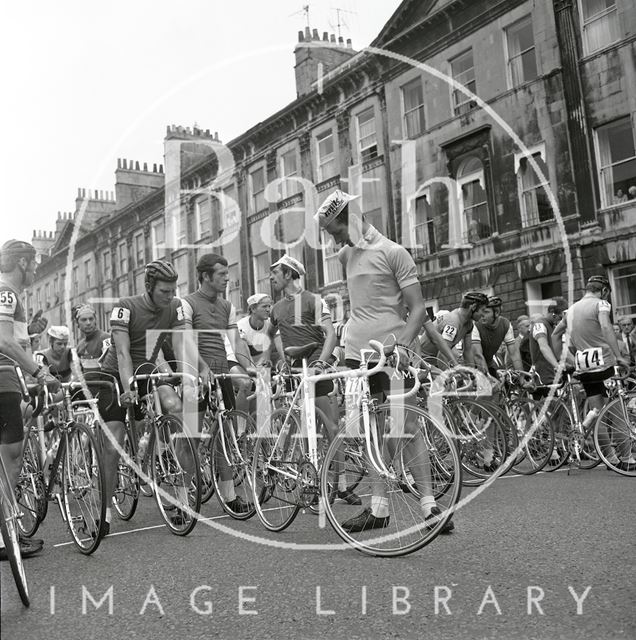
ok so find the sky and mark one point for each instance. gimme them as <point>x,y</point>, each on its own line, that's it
<point>85,83</point>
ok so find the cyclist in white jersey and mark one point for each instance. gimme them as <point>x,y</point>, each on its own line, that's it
<point>596,351</point>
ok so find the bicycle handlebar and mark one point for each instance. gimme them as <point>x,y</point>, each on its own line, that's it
<point>161,376</point>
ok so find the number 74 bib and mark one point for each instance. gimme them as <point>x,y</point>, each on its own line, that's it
<point>589,359</point>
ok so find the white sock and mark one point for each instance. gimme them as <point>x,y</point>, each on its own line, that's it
<point>427,503</point>
<point>226,487</point>
<point>379,506</point>
<point>342,481</point>
<point>1,541</point>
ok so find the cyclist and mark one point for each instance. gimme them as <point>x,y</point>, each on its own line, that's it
<point>137,324</point>
<point>213,318</point>
<point>383,285</point>
<point>596,352</point>
<point>523,341</point>
<point>254,328</point>
<point>455,327</point>
<point>490,334</point>
<point>544,359</point>
<point>94,342</point>
<point>58,356</point>
<point>302,317</point>
<point>17,271</point>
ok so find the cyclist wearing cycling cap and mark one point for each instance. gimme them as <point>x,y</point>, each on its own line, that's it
<point>543,358</point>
<point>489,334</point>
<point>254,328</point>
<point>455,327</point>
<point>94,342</point>
<point>17,271</point>
<point>58,356</point>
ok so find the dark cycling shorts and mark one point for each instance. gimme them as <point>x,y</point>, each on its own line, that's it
<point>593,382</point>
<point>11,428</point>
<point>380,383</point>
<point>107,397</point>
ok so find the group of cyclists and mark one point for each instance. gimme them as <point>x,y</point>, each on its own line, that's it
<point>157,331</point>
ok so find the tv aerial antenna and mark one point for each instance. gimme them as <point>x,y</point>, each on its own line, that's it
<point>340,20</point>
<point>305,10</point>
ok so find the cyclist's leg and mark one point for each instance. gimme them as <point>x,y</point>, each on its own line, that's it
<point>242,387</point>
<point>596,397</point>
<point>171,404</point>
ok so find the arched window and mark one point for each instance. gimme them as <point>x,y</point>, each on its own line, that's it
<point>474,219</point>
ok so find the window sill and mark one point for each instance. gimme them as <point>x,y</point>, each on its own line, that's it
<point>588,57</point>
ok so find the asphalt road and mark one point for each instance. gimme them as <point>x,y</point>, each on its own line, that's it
<point>549,536</point>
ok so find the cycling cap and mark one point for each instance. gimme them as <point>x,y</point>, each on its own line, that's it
<point>602,280</point>
<point>291,263</point>
<point>160,270</point>
<point>332,206</point>
<point>494,301</point>
<point>476,296</point>
<point>85,309</point>
<point>59,333</point>
<point>256,298</point>
<point>17,249</point>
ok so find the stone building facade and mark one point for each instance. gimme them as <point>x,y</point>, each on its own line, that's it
<point>509,193</point>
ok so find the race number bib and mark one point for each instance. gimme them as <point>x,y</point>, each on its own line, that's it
<point>8,303</point>
<point>538,329</point>
<point>121,315</point>
<point>449,332</point>
<point>589,359</point>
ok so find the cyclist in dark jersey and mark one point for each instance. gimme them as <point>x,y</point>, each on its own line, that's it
<point>139,325</point>
<point>94,342</point>
<point>17,271</point>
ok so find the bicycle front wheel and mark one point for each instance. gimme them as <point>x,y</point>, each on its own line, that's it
<point>176,475</point>
<point>11,536</point>
<point>615,435</point>
<point>231,458</point>
<point>422,461</point>
<point>537,448</point>
<point>126,494</point>
<point>83,489</point>
<point>30,491</point>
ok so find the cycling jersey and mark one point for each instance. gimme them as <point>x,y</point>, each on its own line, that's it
<point>257,340</point>
<point>11,310</point>
<point>94,345</point>
<point>543,327</point>
<point>298,318</point>
<point>210,317</point>
<point>137,316</point>
<point>587,343</point>
<point>452,329</point>
<point>492,337</point>
<point>61,368</point>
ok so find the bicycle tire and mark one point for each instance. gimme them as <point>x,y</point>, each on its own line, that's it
<point>83,488</point>
<point>30,492</point>
<point>204,452</point>
<point>510,432</point>
<point>278,452</point>
<point>10,534</point>
<point>126,495</point>
<point>406,529</point>
<point>240,463</point>
<point>169,477</point>
<point>562,423</point>
<point>537,451</point>
<point>616,412</point>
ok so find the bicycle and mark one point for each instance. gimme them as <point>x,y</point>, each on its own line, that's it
<point>10,515</point>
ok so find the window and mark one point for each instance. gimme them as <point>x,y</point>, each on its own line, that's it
<point>331,266</point>
<point>47,295</point>
<point>257,188</point>
<point>463,71</point>
<point>290,231</point>
<point>413,108</point>
<point>181,267</point>
<point>522,60</point>
<point>202,218</point>
<point>140,250</point>
<point>541,292</point>
<point>600,24</point>
<point>623,290</point>
<point>158,238</point>
<point>87,272</point>
<point>367,137</point>
<point>234,286</point>
<point>325,150</point>
<point>260,259</point>
<point>424,227</point>
<point>288,167</point>
<point>533,198</point>
<point>75,281</point>
<point>38,299</point>
<point>56,288</point>
<point>617,161</point>
<point>105,265</point>
<point>122,258</point>
<point>474,218</point>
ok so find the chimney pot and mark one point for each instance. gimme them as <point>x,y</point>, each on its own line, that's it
<point>124,163</point>
<point>216,136</point>
<point>59,215</point>
<point>301,36</point>
<point>315,35</point>
<point>325,36</point>
<point>307,34</point>
<point>145,166</point>
<point>154,167</point>
<point>349,46</point>
<point>137,165</point>
<point>340,40</point>
<point>333,38</point>
<point>160,168</point>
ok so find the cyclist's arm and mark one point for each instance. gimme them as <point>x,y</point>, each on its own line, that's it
<point>417,313</point>
<point>557,337</point>
<point>443,346</point>
<point>469,353</point>
<point>546,351</point>
<point>477,351</point>
<point>124,361</point>
<point>608,334</point>
<point>9,346</point>
<point>331,340</point>
<point>515,355</point>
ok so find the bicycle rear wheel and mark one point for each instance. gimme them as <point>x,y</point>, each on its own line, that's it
<point>11,536</point>
<point>233,459</point>
<point>278,454</point>
<point>83,490</point>
<point>538,448</point>
<point>205,457</point>
<point>30,491</point>
<point>126,494</point>
<point>176,475</point>
<point>562,423</point>
<point>423,449</point>
<point>615,429</point>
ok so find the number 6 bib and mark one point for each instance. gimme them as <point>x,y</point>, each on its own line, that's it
<point>589,359</point>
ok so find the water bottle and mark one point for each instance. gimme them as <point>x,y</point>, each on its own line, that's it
<point>143,446</point>
<point>204,444</point>
<point>48,462</point>
<point>591,416</point>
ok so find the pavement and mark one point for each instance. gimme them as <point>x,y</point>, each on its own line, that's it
<point>524,552</point>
